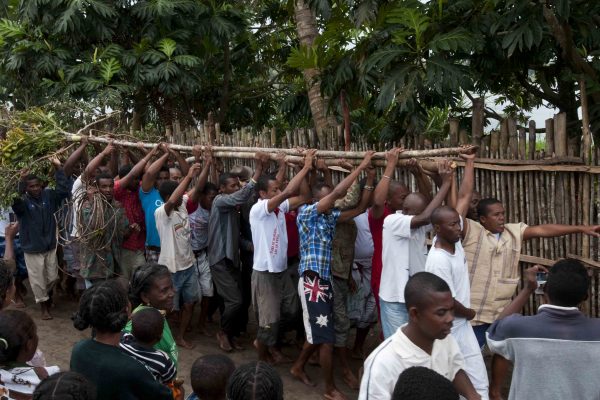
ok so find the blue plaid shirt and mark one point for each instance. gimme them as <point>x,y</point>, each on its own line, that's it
<point>316,240</point>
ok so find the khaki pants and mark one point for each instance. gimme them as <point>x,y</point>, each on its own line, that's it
<point>43,273</point>
<point>129,260</point>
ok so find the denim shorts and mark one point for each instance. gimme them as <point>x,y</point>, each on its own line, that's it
<point>186,285</point>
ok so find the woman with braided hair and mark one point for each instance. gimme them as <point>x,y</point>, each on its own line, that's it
<point>105,308</point>
<point>18,342</point>
<point>151,286</point>
<point>65,386</point>
<point>255,381</point>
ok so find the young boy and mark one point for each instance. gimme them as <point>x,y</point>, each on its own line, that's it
<point>405,251</point>
<point>316,227</point>
<point>424,341</point>
<point>559,337</point>
<point>172,222</point>
<point>147,328</point>
<point>209,377</point>
<point>269,236</point>
<point>447,260</point>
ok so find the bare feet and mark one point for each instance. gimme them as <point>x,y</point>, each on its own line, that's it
<point>19,304</point>
<point>278,357</point>
<point>236,346</point>
<point>299,374</point>
<point>45,310</point>
<point>351,380</point>
<point>334,394</point>
<point>263,354</point>
<point>223,342</point>
<point>204,331</point>
<point>181,342</point>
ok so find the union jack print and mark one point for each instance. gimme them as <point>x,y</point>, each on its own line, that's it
<point>315,289</point>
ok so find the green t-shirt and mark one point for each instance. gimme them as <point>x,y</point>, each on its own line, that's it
<point>167,342</point>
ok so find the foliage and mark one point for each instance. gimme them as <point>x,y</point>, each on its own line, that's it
<point>32,137</point>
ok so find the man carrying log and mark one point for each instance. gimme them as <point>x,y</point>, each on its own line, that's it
<point>492,248</point>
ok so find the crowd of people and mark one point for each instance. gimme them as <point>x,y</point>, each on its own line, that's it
<point>150,237</point>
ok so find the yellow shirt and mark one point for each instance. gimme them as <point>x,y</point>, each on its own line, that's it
<point>493,268</point>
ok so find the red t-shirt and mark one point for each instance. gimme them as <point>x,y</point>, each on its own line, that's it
<point>376,227</point>
<point>135,215</point>
<point>292,234</point>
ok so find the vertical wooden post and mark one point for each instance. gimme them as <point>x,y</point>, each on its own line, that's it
<point>532,139</point>
<point>454,125</point>
<point>549,137</point>
<point>560,135</point>
<point>477,122</point>
<point>494,144</point>
<point>522,143</point>
<point>463,137</point>
<point>504,138</point>
<point>587,158</point>
<point>512,136</point>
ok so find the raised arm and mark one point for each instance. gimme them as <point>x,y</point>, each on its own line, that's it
<point>380,194</point>
<point>194,194</point>
<point>445,172</point>
<point>281,168</point>
<point>529,277</point>
<point>322,167</point>
<point>464,386</point>
<point>90,169</point>
<point>364,199</point>
<point>421,178</point>
<point>75,156</point>
<point>294,185</point>
<point>10,232</point>
<point>553,230</point>
<point>241,196</point>
<point>185,167</point>
<point>327,202</point>
<point>150,175</point>
<point>138,168</point>
<point>181,188</point>
<point>468,184</point>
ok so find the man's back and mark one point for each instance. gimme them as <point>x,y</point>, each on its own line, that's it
<point>556,353</point>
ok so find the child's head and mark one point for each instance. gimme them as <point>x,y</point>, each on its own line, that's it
<point>104,307</point>
<point>7,285</point>
<point>18,337</point>
<point>429,304</point>
<point>255,381</point>
<point>567,283</point>
<point>147,326</point>
<point>209,376</point>
<point>420,383</point>
<point>166,189</point>
<point>65,386</point>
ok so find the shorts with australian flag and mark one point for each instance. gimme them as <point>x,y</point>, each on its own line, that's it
<point>316,296</point>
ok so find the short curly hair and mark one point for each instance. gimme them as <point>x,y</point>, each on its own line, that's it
<point>67,385</point>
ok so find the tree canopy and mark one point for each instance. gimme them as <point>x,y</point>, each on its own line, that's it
<point>389,67</point>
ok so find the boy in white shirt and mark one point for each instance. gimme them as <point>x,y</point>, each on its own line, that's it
<point>424,342</point>
<point>447,260</point>
<point>269,237</point>
<point>172,223</point>
<point>404,250</point>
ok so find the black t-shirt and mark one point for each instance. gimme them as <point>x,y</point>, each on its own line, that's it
<point>115,374</point>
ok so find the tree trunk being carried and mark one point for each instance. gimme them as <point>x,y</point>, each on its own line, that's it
<point>306,26</point>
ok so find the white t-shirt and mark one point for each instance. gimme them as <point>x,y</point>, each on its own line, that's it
<point>174,232</point>
<point>363,247</point>
<point>269,236</point>
<point>453,269</point>
<point>26,377</point>
<point>404,252</point>
<point>397,353</point>
<point>78,188</point>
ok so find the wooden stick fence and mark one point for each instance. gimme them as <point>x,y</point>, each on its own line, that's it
<point>537,184</point>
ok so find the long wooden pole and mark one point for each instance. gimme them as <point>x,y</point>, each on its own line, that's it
<point>587,152</point>
<point>233,151</point>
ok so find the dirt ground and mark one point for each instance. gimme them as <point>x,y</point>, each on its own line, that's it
<point>58,336</point>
